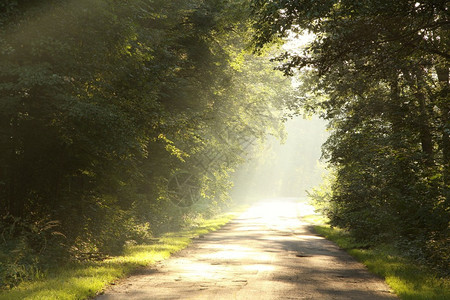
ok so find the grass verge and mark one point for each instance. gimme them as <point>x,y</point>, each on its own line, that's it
<point>85,280</point>
<point>408,279</point>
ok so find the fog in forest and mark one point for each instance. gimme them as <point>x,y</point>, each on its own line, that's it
<point>284,168</point>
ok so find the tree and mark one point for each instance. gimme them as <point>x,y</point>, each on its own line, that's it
<point>383,68</point>
<point>103,103</point>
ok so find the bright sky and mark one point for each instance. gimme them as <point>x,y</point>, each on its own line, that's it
<point>296,43</point>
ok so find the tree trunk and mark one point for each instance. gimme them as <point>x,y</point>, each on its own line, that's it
<point>425,131</point>
<point>14,195</point>
<point>423,121</point>
<point>444,106</point>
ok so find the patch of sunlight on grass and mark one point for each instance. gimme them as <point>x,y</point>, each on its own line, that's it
<point>316,219</point>
<point>85,280</point>
<point>407,279</point>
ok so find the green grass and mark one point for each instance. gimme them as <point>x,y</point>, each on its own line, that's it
<point>315,219</point>
<point>85,280</point>
<point>408,279</point>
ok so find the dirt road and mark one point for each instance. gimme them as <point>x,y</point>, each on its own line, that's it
<point>267,253</point>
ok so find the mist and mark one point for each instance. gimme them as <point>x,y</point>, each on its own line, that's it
<point>284,169</point>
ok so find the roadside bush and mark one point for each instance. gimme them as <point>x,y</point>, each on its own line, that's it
<point>436,249</point>
<point>398,214</point>
<point>103,228</point>
<point>28,248</point>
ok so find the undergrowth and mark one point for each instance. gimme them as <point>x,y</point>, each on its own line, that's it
<point>86,279</point>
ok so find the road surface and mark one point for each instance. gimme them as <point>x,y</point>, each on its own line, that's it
<point>266,253</point>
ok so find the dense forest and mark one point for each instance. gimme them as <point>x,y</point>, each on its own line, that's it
<point>123,119</point>
<point>379,72</point>
<point>120,120</point>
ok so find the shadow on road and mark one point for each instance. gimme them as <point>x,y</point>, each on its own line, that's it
<point>266,253</point>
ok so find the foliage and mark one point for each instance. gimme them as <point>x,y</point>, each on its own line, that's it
<point>104,103</point>
<point>379,72</point>
<point>25,247</point>
<point>320,196</point>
